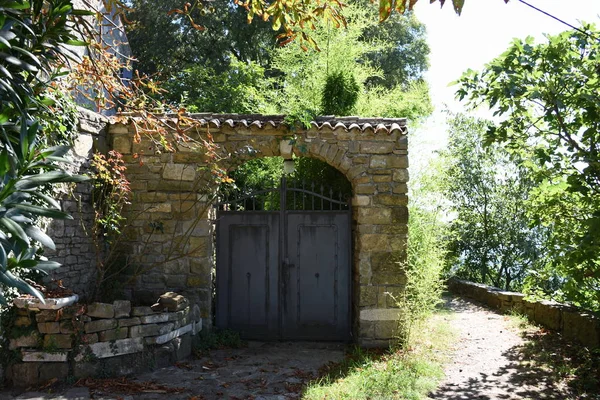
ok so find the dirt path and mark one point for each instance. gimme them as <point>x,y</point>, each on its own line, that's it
<point>487,362</point>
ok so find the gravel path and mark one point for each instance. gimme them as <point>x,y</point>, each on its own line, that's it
<point>487,362</point>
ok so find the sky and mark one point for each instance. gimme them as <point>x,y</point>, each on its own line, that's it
<point>484,30</point>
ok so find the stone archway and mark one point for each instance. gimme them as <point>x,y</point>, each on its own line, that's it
<point>373,155</point>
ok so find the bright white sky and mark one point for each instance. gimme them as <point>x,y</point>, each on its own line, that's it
<point>483,31</point>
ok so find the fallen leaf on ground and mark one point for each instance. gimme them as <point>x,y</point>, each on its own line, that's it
<point>123,385</point>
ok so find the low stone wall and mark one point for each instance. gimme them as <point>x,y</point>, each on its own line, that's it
<point>573,323</point>
<point>98,340</point>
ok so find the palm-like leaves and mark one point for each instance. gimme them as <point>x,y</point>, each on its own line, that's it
<point>33,36</point>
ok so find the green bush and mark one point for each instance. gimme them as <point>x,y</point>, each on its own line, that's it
<point>339,94</point>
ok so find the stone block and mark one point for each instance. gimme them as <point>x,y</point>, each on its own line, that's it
<point>23,322</point>
<point>24,374</point>
<point>49,327</point>
<point>101,310</point>
<point>179,172</point>
<point>361,201</point>
<point>100,325</point>
<point>165,328</point>
<point>125,322</point>
<point>30,340</point>
<point>367,329</point>
<point>391,199</point>
<point>386,329</point>
<point>376,147</point>
<point>140,331</point>
<point>182,347</point>
<point>41,356</point>
<point>49,371</point>
<point>368,296</point>
<point>83,369</point>
<point>141,311</point>
<point>548,313</point>
<point>581,327</point>
<point>156,318</point>
<point>70,326</point>
<point>113,334</point>
<point>122,144</point>
<point>122,308</point>
<point>112,349</point>
<point>58,341</point>
<point>171,301</point>
<point>374,215</point>
<point>89,338</point>
<point>386,269</point>
<point>374,242</point>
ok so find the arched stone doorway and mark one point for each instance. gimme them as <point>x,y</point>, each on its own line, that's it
<point>371,153</point>
<point>284,251</point>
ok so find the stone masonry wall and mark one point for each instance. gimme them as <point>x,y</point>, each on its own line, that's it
<point>574,323</point>
<point>373,155</point>
<point>84,341</point>
<point>74,245</point>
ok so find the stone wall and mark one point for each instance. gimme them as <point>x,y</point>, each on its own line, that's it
<point>573,323</point>
<point>82,341</point>
<point>75,248</point>
<point>372,154</point>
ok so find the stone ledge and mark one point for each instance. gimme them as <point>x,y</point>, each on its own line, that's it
<point>42,356</point>
<point>113,349</point>
<point>576,324</point>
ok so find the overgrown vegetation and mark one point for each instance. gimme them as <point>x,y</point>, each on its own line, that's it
<point>33,56</point>
<point>427,242</point>
<point>545,235</point>
<point>488,191</point>
<point>388,374</point>
<point>216,339</point>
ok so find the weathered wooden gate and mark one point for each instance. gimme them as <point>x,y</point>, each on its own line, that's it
<point>284,264</point>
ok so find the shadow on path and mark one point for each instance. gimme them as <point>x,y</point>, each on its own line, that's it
<point>495,360</point>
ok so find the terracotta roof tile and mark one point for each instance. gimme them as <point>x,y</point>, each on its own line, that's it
<point>257,121</point>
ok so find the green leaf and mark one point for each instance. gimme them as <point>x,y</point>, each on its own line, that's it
<point>3,258</point>
<point>83,12</point>
<point>41,211</point>
<point>37,234</point>
<point>34,181</point>
<point>16,5</point>
<point>74,42</point>
<point>11,280</point>
<point>14,229</point>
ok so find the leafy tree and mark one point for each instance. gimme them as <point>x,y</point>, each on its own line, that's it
<point>165,42</point>
<point>217,69</point>
<point>549,98</point>
<point>33,38</point>
<point>304,74</point>
<point>405,55</point>
<point>296,19</point>
<point>492,241</point>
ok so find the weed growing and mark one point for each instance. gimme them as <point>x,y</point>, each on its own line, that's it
<point>217,339</point>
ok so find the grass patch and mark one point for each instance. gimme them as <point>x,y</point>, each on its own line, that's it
<point>389,374</point>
